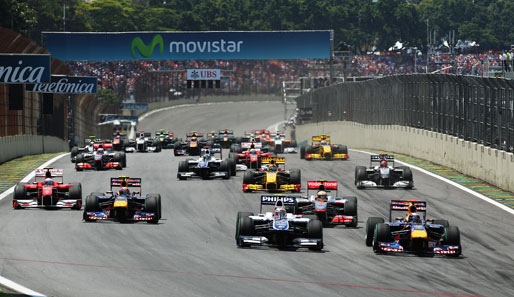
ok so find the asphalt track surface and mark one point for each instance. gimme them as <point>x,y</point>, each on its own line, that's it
<point>192,251</point>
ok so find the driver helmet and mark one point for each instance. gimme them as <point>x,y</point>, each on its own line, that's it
<point>123,192</point>
<point>383,164</point>
<point>207,155</point>
<point>49,181</point>
<point>322,195</point>
<point>193,138</point>
<point>100,150</point>
<point>414,218</point>
<point>280,212</point>
<point>323,142</point>
<point>272,166</point>
<point>253,151</point>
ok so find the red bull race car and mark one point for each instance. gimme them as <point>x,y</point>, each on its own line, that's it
<point>47,191</point>
<point>123,202</point>
<point>413,233</point>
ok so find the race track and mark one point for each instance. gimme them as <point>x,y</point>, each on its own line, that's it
<point>192,251</point>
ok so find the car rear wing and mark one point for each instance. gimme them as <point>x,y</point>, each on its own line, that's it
<point>378,158</point>
<point>404,205</point>
<point>322,185</point>
<point>195,134</point>
<point>228,132</point>
<point>273,199</point>
<point>247,145</point>
<point>320,138</point>
<point>119,133</point>
<point>40,174</point>
<point>278,160</point>
<point>130,182</point>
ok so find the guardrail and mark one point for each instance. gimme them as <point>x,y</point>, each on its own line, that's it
<point>477,109</point>
<point>22,145</point>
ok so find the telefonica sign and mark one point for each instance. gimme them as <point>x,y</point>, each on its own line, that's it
<point>60,84</point>
<point>22,69</point>
<point>242,45</point>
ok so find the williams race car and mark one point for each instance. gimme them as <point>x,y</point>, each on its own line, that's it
<point>322,149</point>
<point>123,204</point>
<point>278,228</point>
<point>272,178</point>
<point>413,233</point>
<point>331,210</point>
<point>100,159</point>
<point>384,174</point>
<point>48,190</point>
<point>207,166</point>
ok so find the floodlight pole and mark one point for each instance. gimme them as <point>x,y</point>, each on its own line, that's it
<point>331,57</point>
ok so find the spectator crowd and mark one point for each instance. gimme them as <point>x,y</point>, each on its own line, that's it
<point>266,77</point>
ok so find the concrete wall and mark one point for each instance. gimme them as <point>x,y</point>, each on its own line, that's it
<point>21,145</point>
<point>493,166</point>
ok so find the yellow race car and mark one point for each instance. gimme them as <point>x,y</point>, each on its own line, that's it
<point>272,178</point>
<point>322,149</point>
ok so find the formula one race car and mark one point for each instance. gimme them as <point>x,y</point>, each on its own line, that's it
<point>118,141</point>
<point>322,149</point>
<point>281,144</point>
<point>192,146</point>
<point>207,166</point>
<point>384,174</point>
<point>331,210</point>
<point>101,159</point>
<point>249,159</point>
<point>90,144</point>
<point>412,234</point>
<point>278,228</point>
<point>166,138</point>
<point>123,204</point>
<point>224,138</point>
<point>272,178</point>
<point>144,143</point>
<point>48,190</point>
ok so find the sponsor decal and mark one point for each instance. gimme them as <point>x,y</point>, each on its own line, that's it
<point>146,51</point>
<point>21,69</point>
<point>66,85</point>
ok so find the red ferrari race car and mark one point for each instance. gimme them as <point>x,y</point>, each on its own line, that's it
<point>47,191</point>
<point>249,159</point>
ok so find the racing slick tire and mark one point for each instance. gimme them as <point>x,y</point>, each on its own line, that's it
<point>232,166</point>
<point>343,149</point>
<point>295,176</point>
<point>182,167</point>
<point>76,193</point>
<point>79,159</point>
<point>382,234</point>
<point>225,167</point>
<point>74,152</point>
<point>452,237</point>
<point>159,204</point>
<point>350,209</point>
<point>177,147</point>
<point>123,159</point>
<point>407,175</point>
<point>360,175</point>
<point>370,229</point>
<point>315,230</point>
<point>302,152</point>
<point>233,156</point>
<point>20,192</point>
<point>241,214</point>
<point>444,223</point>
<point>152,205</point>
<point>157,144</point>
<point>248,177</point>
<point>244,226</point>
<point>92,205</point>
<point>293,144</point>
<point>278,149</point>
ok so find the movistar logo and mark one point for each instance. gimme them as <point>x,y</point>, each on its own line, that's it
<point>146,50</point>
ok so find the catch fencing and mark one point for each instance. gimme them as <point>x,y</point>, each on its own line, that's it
<point>477,109</point>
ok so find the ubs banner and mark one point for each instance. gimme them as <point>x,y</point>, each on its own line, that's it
<point>22,69</point>
<point>257,45</point>
<point>60,84</point>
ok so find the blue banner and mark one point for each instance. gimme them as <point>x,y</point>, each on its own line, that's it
<point>22,69</point>
<point>60,84</point>
<point>189,45</point>
<point>134,106</point>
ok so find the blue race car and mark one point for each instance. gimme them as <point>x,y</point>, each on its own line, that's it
<point>413,233</point>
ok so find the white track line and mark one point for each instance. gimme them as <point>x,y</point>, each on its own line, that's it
<point>476,194</point>
<point>9,283</point>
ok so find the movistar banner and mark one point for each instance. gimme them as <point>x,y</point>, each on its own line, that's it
<point>60,84</point>
<point>22,69</point>
<point>188,45</point>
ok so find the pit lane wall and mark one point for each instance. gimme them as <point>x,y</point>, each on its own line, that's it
<point>491,165</point>
<point>22,145</point>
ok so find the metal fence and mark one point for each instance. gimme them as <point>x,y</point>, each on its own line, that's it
<point>473,108</point>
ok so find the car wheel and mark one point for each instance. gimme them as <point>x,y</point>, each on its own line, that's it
<point>350,209</point>
<point>315,230</point>
<point>152,205</point>
<point>370,229</point>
